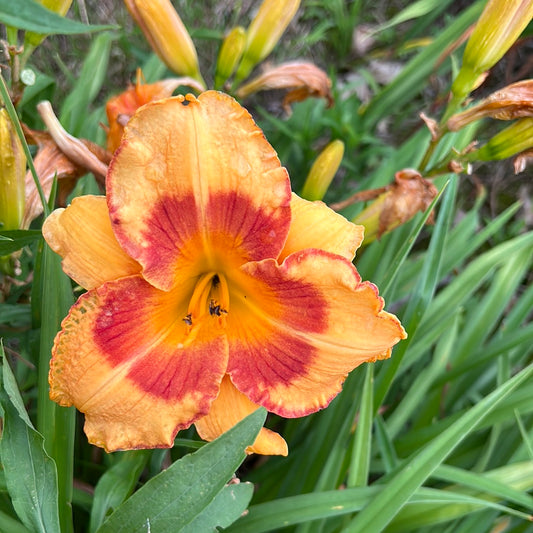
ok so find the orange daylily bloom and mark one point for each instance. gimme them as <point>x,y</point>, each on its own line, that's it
<point>121,108</point>
<point>212,289</point>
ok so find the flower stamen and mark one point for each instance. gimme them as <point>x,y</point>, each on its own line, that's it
<point>210,296</point>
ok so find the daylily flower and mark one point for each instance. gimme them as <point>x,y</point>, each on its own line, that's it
<point>211,288</point>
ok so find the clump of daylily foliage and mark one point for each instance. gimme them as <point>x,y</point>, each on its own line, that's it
<point>166,286</point>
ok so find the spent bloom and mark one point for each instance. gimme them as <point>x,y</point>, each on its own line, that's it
<point>301,78</point>
<point>511,102</point>
<point>211,288</point>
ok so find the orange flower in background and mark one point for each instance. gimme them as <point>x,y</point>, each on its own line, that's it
<point>212,289</point>
<point>120,108</point>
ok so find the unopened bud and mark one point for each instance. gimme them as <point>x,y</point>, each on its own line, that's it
<point>512,140</point>
<point>57,6</point>
<point>323,171</point>
<point>230,54</point>
<point>409,194</point>
<point>13,170</point>
<point>500,24</point>
<point>167,35</point>
<point>264,32</point>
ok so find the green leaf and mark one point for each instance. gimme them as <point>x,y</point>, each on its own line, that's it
<point>418,468</point>
<point>30,473</point>
<point>51,300</point>
<point>362,443</point>
<point>116,485</point>
<point>31,16</point>
<point>13,240</point>
<point>10,525</point>
<point>412,78</point>
<point>229,504</point>
<point>180,495</point>
<point>73,113</point>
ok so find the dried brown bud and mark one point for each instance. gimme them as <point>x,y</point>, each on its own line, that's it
<point>409,194</point>
<point>522,161</point>
<point>432,126</point>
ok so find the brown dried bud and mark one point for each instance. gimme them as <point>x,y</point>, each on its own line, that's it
<point>522,161</point>
<point>409,194</point>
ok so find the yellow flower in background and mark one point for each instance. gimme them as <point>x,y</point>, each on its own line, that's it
<point>167,35</point>
<point>212,289</point>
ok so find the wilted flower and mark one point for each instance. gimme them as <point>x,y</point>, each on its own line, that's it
<point>12,170</point>
<point>264,32</point>
<point>211,289</point>
<point>323,171</point>
<point>400,201</point>
<point>51,163</point>
<point>511,102</point>
<point>167,35</point>
<point>302,78</point>
<point>500,24</point>
<point>121,108</point>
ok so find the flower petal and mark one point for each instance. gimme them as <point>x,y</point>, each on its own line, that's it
<point>315,225</point>
<point>230,407</point>
<point>195,178</point>
<point>127,359</point>
<point>296,330</point>
<point>81,234</point>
